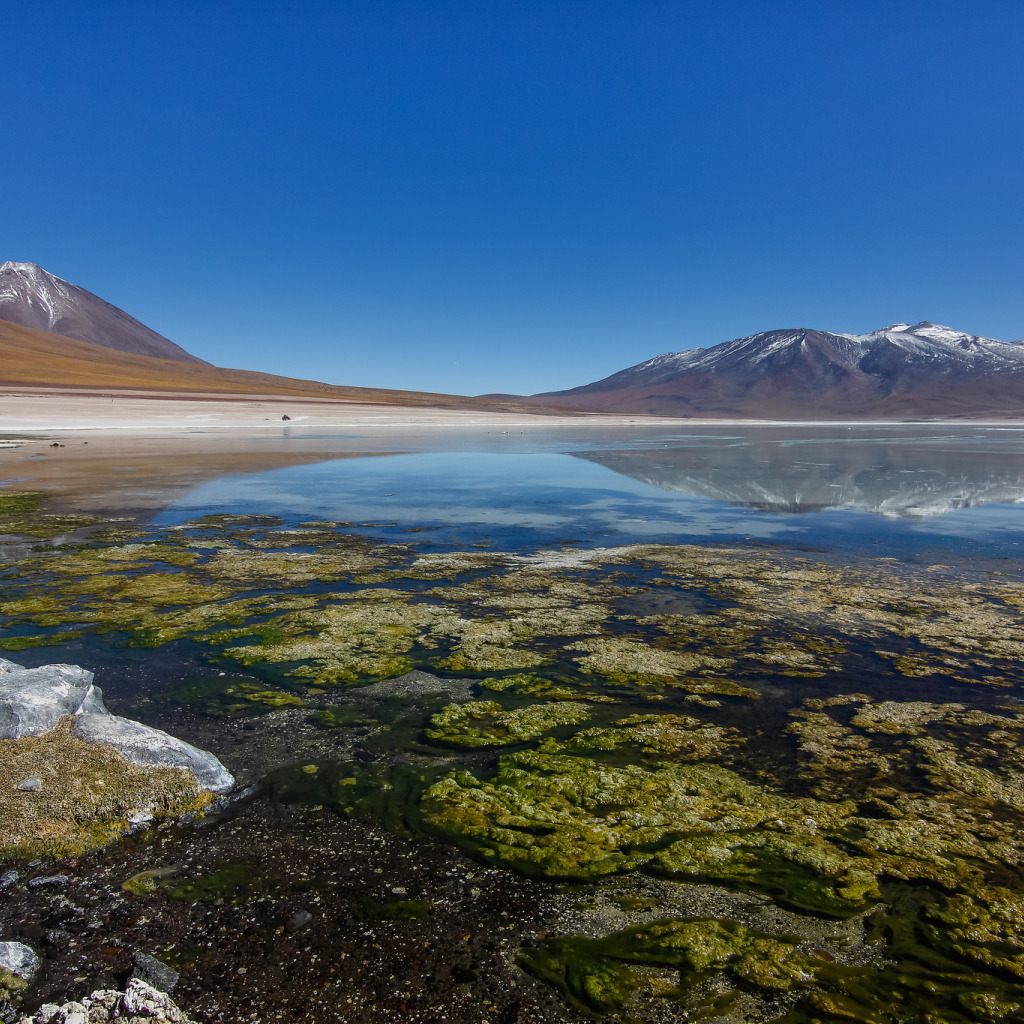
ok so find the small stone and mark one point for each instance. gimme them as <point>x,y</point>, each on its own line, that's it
<point>298,920</point>
<point>57,937</point>
<point>73,1013</point>
<point>142,1000</point>
<point>44,881</point>
<point>33,784</point>
<point>19,959</point>
<point>7,879</point>
<point>153,972</point>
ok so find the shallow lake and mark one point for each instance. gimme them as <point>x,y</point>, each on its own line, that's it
<point>905,488</point>
<point>743,706</point>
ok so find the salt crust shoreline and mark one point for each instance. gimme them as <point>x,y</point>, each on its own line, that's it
<point>28,411</point>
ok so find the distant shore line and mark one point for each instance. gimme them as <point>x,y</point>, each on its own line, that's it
<point>28,410</point>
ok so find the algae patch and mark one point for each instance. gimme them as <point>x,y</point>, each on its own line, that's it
<point>842,739</point>
<point>486,723</point>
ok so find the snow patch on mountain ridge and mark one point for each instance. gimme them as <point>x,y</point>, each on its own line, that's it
<point>923,339</point>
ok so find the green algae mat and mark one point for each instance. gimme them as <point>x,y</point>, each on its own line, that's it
<point>765,784</point>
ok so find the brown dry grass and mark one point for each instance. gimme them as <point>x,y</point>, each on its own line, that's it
<point>31,358</point>
<point>89,791</point>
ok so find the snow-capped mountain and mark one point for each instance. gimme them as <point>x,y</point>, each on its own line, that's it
<point>34,298</point>
<point>900,370</point>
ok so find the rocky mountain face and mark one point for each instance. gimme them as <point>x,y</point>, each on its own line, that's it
<point>34,298</point>
<point>898,371</point>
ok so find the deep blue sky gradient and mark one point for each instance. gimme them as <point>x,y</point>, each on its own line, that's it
<point>516,196</point>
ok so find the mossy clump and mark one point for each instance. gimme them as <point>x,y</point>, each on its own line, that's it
<point>571,817</point>
<point>261,695</point>
<point>11,986</point>
<point>142,883</point>
<point>485,723</point>
<point>22,513</point>
<point>632,660</point>
<point>681,737</point>
<point>89,795</point>
<point>986,929</point>
<point>393,910</point>
<point>24,643</point>
<point>231,883</point>
<point>529,684</point>
<point>604,975</point>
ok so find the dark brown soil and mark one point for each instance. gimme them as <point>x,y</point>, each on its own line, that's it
<point>243,950</point>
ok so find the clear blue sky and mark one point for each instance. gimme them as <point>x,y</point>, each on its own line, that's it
<point>516,196</point>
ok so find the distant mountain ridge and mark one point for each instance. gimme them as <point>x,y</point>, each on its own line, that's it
<point>901,370</point>
<point>33,297</point>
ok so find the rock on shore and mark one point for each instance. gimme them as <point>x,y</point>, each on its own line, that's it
<point>33,700</point>
<point>73,776</point>
<point>138,1003</point>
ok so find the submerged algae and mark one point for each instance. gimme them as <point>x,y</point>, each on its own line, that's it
<point>485,723</point>
<point>344,608</point>
<point>606,974</point>
<point>861,796</point>
<point>568,817</point>
<point>531,685</point>
<point>681,736</point>
<point>22,513</point>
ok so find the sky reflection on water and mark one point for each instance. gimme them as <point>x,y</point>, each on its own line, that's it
<point>892,489</point>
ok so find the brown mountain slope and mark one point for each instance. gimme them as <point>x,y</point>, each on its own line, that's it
<point>33,358</point>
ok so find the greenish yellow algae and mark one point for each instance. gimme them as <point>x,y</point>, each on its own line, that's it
<point>570,817</point>
<point>361,633</point>
<point>23,643</point>
<point>89,794</point>
<point>22,514</point>
<point>606,974</point>
<point>631,659</point>
<point>680,736</point>
<point>860,795</point>
<point>261,695</point>
<point>763,613</point>
<point>11,986</point>
<point>148,881</point>
<point>528,684</point>
<point>485,723</point>
<point>231,883</point>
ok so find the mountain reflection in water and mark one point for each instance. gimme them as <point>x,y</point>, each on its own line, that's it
<point>873,485</point>
<point>898,477</point>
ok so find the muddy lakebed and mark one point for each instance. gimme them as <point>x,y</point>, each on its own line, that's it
<point>717,726</point>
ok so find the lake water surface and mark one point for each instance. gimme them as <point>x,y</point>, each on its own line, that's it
<point>905,488</point>
<point>744,704</point>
